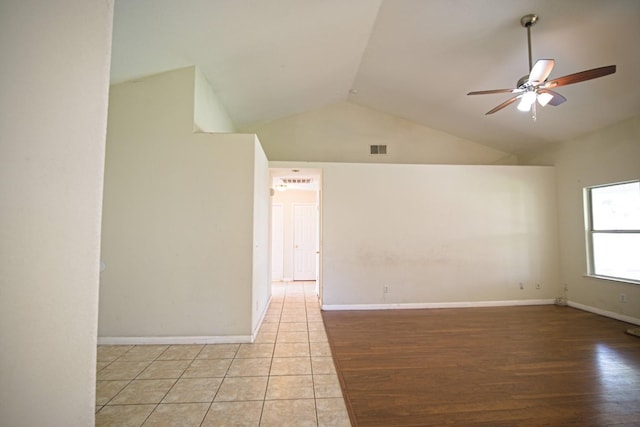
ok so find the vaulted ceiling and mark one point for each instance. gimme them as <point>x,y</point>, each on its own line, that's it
<point>415,59</point>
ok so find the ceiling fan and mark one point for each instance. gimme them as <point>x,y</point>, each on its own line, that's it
<point>535,86</point>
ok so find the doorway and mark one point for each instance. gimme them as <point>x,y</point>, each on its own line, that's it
<point>295,225</point>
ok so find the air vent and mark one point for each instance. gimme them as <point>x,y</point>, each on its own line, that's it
<point>297,180</point>
<point>378,149</point>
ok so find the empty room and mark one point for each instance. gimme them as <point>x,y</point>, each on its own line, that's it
<point>320,213</point>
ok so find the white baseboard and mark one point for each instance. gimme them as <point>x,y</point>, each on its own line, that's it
<point>605,313</point>
<point>254,334</point>
<point>462,304</point>
<point>230,339</point>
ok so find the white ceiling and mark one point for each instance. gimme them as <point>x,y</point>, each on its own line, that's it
<point>415,59</point>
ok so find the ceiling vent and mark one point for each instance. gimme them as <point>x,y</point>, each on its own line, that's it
<point>297,180</point>
<point>378,149</point>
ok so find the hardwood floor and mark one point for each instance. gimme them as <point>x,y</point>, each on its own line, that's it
<point>499,366</point>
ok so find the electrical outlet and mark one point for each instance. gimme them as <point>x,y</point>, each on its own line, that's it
<point>623,297</point>
<point>385,289</point>
<point>537,285</point>
<point>521,285</point>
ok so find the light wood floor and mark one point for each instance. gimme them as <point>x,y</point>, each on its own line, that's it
<point>503,366</point>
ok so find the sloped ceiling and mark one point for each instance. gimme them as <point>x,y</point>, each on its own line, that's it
<point>415,59</point>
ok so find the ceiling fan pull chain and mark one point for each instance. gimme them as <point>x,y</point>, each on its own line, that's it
<point>534,111</point>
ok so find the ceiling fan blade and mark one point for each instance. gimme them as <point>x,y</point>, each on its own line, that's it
<point>488,92</point>
<point>501,106</point>
<point>541,71</point>
<point>557,98</point>
<point>581,76</point>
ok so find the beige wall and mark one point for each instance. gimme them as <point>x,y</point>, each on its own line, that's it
<point>181,226</point>
<point>343,132</point>
<point>607,156</point>
<point>209,115</point>
<point>261,279</point>
<point>437,235</point>
<point>53,105</point>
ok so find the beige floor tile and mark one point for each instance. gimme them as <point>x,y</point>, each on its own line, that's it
<point>101,365</point>
<point>326,386</point>
<point>109,353</point>
<point>315,326</point>
<point>256,367</point>
<point>164,369</point>
<point>302,314</point>
<point>271,318</point>
<point>248,351</point>
<point>177,414</point>
<point>289,413</point>
<point>123,415</point>
<point>293,319</point>
<point>320,349</point>
<point>318,336</point>
<point>193,390</point>
<point>332,413</point>
<point>181,352</point>
<point>218,351</point>
<point>143,391</point>
<point>232,414</point>
<point>266,337</point>
<point>106,390</point>
<point>293,327</point>
<point>322,365</point>
<point>290,387</point>
<point>291,366</point>
<point>203,368</point>
<point>291,349</point>
<point>290,346</point>
<point>242,388</point>
<point>293,336</point>
<point>122,370</point>
<point>314,317</point>
<point>140,353</point>
<point>270,327</point>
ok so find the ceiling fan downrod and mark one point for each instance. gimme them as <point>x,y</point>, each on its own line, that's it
<point>528,21</point>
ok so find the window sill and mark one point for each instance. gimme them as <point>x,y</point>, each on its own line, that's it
<point>613,279</point>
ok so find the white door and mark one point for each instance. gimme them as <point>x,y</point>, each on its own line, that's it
<point>277,243</point>
<point>305,238</point>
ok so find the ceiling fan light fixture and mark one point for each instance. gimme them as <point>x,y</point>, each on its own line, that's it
<point>527,100</point>
<point>544,98</point>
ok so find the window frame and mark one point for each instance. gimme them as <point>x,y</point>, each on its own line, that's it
<point>589,233</point>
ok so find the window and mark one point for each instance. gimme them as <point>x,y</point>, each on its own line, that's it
<point>613,231</point>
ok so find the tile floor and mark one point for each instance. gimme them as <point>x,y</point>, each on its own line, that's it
<point>285,378</point>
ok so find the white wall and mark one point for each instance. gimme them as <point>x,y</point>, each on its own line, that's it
<point>53,104</point>
<point>178,227</point>
<point>438,234</point>
<point>287,199</point>
<point>343,132</point>
<point>261,290</point>
<point>209,115</point>
<point>606,156</point>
